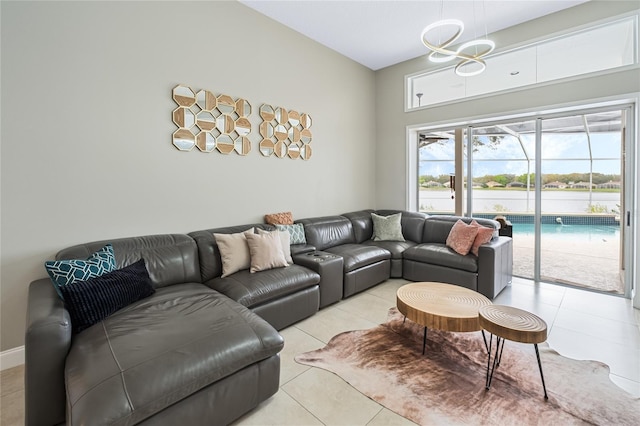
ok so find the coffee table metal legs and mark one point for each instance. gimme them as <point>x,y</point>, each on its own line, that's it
<point>497,357</point>
<point>424,338</point>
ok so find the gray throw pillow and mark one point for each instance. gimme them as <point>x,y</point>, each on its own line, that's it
<point>387,228</point>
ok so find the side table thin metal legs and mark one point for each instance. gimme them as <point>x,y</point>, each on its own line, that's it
<point>535,345</point>
<point>497,357</point>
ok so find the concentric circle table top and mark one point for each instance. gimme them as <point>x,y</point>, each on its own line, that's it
<point>441,306</point>
<point>513,324</point>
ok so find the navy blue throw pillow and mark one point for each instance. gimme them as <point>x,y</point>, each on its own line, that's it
<point>93,300</point>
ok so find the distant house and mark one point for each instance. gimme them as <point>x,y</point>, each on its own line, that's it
<point>494,184</point>
<point>556,185</point>
<point>609,185</point>
<point>516,185</point>
<point>582,185</point>
<point>432,184</point>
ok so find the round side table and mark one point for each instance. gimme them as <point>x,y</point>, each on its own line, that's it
<point>517,325</point>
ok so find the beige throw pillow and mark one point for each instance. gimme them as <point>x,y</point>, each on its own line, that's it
<point>234,251</point>
<point>461,237</point>
<point>266,252</point>
<point>285,239</point>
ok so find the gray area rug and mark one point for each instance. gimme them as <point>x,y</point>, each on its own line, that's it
<point>447,385</point>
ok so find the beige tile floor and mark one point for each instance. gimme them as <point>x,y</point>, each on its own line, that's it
<point>583,325</point>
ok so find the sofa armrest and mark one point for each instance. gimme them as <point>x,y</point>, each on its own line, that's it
<point>47,342</point>
<point>495,266</point>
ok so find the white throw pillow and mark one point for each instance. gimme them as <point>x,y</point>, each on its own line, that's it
<point>285,239</point>
<point>266,252</point>
<point>234,251</point>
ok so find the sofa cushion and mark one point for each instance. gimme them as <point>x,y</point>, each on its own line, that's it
<point>255,289</point>
<point>93,300</point>
<point>396,248</point>
<point>440,254</point>
<point>160,350</point>
<point>387,228</point>
<point>362,224</point>
<point>328,231</point>
<point>65,272</point>
<point>356,255</point>
<point>437,228</point>
<point>170,258</point>
<point>266,251</point>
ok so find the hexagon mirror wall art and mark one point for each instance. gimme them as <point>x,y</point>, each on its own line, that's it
<point>209,122</point>
<point>285,134</point>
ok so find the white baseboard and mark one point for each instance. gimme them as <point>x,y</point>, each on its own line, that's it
<point>11,358</point>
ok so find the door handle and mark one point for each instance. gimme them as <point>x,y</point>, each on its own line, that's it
<point>628,218</point>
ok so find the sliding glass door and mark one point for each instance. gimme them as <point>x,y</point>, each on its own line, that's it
<point>560,179</point>
<point>581,190</point>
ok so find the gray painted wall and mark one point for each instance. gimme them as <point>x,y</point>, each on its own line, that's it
<point>86,128</point>
<point>86,124</point>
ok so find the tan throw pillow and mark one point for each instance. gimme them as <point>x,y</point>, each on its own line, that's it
<point>234,251</point>
<point>461,237</point>
<point>484,236</point>
<point>285,240</point>
<point>283,218</point>
<point>266,252</point>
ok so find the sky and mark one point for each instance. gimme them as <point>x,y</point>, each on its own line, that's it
<point>561,153</point>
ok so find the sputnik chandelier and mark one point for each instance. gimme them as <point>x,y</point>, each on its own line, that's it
<point>471,56</point>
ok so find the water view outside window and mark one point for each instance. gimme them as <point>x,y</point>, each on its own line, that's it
<point>580,191</point>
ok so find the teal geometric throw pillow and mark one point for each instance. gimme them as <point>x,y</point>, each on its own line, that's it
<point>64,272</point>
<point>296,232</point>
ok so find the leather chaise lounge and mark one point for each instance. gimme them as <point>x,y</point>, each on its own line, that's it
<point>217,359</point>
<point>204,349</point>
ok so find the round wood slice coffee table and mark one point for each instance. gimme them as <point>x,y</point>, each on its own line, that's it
<point>446,307</point>
<point>509,323</point>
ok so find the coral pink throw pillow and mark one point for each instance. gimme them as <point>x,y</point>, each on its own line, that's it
<point>461,237</point>
<point>484,236</point>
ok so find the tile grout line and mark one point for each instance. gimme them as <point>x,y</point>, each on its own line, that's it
<point>303,406</point>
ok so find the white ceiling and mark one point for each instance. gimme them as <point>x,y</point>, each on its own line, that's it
<point>380,33</point>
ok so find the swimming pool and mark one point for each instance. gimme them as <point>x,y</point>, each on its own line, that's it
<point>564,232</point>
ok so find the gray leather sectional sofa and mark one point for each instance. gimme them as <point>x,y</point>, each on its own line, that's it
<point>204,349</point>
